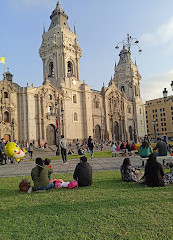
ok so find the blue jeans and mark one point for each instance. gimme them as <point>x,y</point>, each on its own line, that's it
<point>92,152</point>
<point>48,187</point>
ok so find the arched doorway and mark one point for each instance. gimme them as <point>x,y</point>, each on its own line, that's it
<point>130,133</point>
<point>50,134</point>
<point>98,133</point>
<point>116,131</point>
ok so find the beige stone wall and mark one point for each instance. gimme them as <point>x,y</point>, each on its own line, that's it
<point>8,103</point>
<point>161,110</point>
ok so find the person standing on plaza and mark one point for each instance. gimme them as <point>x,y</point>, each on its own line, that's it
<point>91,146</point>
<point>162,148</point>
<point>63,146</point>
<point>2,151</point>
<point>30,150</point>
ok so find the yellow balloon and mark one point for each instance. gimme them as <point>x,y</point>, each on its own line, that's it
<point>12,150</point>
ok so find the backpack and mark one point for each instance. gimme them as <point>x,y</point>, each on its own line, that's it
<point>24,185</point>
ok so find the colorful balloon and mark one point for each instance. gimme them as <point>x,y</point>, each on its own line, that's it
<point>12,150</point>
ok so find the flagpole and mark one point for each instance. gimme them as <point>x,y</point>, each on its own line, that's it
<point>4,69</point>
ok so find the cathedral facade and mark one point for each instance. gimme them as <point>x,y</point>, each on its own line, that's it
<point>64,104</point>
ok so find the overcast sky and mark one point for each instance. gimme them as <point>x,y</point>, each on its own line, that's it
<point>100,25</point>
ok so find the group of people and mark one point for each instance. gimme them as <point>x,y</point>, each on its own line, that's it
<point>80,150</point>
<point>124,147</point>
<point>145,149</point>
<point>41,175</point>
<point>153,175</point>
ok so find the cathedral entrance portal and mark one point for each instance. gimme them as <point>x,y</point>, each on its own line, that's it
<point>50,134</point>
<point>116,131</point>
<point>98,133</point>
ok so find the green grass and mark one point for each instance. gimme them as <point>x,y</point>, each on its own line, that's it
<point>109,209</point>
<point>96,155</point>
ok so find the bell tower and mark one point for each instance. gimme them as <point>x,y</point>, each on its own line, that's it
<point>127,79</point>
<point>60,51</point>
<point>126,75</point>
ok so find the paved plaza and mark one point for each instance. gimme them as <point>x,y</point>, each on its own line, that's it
<point>98,164</point>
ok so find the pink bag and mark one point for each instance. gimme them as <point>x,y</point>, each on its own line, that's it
<point>118,149</point>
<point>72,184</point>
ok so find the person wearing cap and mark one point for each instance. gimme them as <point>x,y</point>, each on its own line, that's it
<point>83,173</point>
<point>162,148</point>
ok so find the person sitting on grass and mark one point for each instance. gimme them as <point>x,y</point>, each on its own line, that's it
<point>154,174</point>
<point>47,163</point>
<point>39,176</point>
<point>83,173</point>
<point>169,176</point>
<point>129,173</point>
<point>145,149</point>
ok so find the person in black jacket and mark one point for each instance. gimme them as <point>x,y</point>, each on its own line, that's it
<point>154,174</point>
<point>83,173</point>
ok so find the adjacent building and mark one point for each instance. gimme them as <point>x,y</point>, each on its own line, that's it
<point>159,117</point>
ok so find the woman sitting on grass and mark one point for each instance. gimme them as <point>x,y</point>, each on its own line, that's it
<point>129,173</point>
<point>145,149</point>
<point>39,176</point>
<point>154,174</point>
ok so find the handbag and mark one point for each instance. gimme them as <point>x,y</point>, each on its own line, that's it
<point>24,185</point>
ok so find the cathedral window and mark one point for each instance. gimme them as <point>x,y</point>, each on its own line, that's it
<point>51,70</point>
<point>122,89</point>
<point>140,111</point>
<point>75,117</point>
<point>50,97</point>
<point>6,117</point>
<point>96,104</point>
<point>129,109</point>
<point>69,69</point>
<point>5,94</point>
<point>50,109</point>
<point>74,98</point>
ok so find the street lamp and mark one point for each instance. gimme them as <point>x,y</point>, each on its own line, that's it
<point>165,93</point>
<point>129,42</point>
<point>12,128</point>
<point>59,127</point>
<point>154,122</point>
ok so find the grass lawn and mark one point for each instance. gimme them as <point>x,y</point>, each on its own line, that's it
<point>109,209</point>
<point>96,155</point>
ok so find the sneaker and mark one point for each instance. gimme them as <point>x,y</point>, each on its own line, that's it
<point>65,162</point>
<point>30,190</point>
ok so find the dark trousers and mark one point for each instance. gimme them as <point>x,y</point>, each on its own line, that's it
<point>1,158</point>
<point>63,153</point>
<point>30,154</point>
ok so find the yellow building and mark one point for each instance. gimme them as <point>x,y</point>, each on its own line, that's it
<point>159,117</point>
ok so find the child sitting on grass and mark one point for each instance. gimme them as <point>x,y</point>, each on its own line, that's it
<point>59,183</point>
